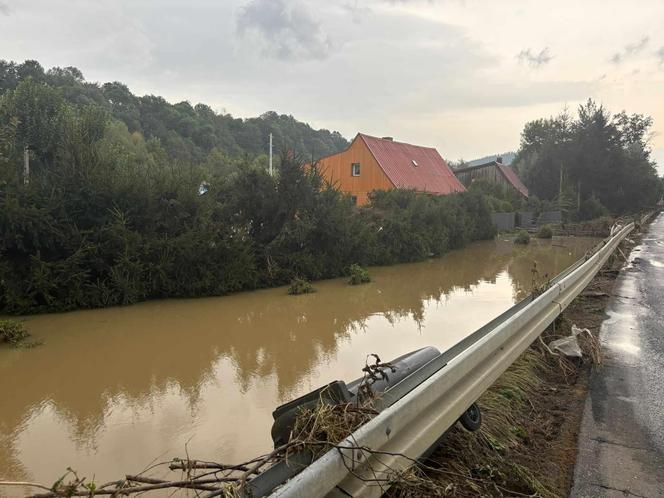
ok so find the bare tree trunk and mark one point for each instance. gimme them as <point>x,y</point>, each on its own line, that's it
<point>26,165</point>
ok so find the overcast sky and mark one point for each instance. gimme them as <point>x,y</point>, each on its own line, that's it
<point>461,75</point>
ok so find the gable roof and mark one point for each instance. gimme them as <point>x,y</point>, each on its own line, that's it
<point>506,171</point>
<point>412,166</point>
<point>511,177</point>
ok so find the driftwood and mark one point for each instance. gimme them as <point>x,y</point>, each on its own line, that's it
<point>216,479</point>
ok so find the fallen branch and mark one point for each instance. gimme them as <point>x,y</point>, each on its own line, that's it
<point>24,484</point>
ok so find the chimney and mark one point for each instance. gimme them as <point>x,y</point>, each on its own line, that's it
<point>391,139</point>
<point>499,159</point>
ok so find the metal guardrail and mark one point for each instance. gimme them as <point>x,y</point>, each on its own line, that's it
<point>646,217</point>
<point>410,425</point>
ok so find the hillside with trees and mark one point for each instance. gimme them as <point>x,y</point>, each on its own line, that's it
<point>186,133</point>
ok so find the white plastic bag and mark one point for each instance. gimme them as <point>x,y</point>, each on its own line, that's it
<point>569,346</point>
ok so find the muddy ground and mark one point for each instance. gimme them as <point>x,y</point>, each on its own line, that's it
<point>531,417</point>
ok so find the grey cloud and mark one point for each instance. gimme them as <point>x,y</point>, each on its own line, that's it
<point>286,30</point>
<point>4,9</point>
<point>357,12</point>
<point>477,94</point>
<point>660,55</point>
<point>630,50</point>
<point>539,59</point>
<point>634,48</point>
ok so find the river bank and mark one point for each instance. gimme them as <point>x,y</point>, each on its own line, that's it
<point>532,415</point>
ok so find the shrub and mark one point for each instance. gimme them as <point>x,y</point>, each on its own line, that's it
<point>602,226</point>
<point>300,286</point>
<point>545,232</point>
<point>12,332</point>
<point>591,209</point>
<point>522,237</point>
<point>102,239</point>
<point>358,275</point>
<point>411,227</point>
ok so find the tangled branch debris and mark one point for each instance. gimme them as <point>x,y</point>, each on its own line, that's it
<point>316,430</point>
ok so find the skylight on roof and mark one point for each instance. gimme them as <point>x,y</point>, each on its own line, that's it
<point>414,162</point>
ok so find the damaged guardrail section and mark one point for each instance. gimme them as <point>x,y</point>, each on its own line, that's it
<point>408,428</point>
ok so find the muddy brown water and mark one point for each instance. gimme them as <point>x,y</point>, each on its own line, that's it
<point>112,390</point>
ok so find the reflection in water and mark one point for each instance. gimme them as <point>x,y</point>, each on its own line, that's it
<point>113,389</point>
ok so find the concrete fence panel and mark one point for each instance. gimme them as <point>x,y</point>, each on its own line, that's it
<point>503,221</point>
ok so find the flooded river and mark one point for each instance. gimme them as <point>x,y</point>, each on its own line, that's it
<point>111,390</point>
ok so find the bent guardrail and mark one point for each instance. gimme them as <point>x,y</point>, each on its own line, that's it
<point>409,425</point>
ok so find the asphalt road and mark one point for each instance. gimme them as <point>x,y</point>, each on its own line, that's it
<point>621,444</point>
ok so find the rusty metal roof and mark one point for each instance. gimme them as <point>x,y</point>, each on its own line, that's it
<point>509,173</point>
<point>413,167</point>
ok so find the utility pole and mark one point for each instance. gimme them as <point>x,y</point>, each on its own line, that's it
<point>270,154</point>
<point>26,165</point>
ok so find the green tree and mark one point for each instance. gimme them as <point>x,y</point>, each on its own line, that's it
<point>38,111</point>
<point>595,155</point>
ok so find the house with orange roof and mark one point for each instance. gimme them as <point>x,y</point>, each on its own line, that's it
<point>372,163</point>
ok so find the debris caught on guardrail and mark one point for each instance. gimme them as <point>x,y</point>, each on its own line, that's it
<point>372,373</point>
<point>317,430</point>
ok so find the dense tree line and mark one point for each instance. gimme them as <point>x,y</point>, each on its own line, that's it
<point>590,164</point>
<point>111,216</point>
<point>187,133</point>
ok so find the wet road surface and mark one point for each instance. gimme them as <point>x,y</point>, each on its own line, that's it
<point>621,445</point>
